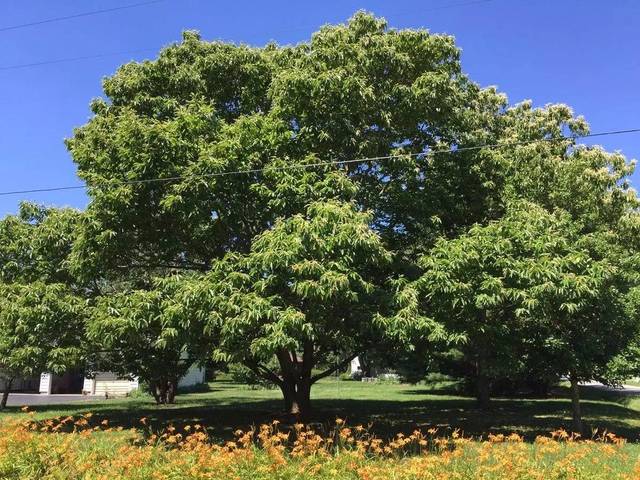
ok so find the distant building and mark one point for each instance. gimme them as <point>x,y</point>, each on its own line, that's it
<point>105,383</point>
<point>22,384</point>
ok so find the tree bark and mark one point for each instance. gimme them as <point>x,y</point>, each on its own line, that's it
<point>172,387</point>
<point>483,382</point>
<point>295,378</point>
<point>483,394</point>
<point>161,392</point>
<point>576,423</point>
<point>289,397</point>
<point>297,397</point>
<point>295,381</point>
<point>155,392</point>
<point>5,393</point>
<point>164,391</point>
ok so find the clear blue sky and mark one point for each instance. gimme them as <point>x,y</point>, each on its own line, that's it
<point>584,53</point>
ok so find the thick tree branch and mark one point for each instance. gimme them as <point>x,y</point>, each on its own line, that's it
<point>308,359</point>
<point>262,371</point>
<point>331,370</point>
<point>197,267</point>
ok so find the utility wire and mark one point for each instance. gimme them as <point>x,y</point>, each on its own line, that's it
<point>74,59</point>
<point>103,55</point>
<point>78,15</point>
<point>571,138</point>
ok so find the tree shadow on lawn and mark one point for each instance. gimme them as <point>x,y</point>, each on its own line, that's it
<point>529,417</point>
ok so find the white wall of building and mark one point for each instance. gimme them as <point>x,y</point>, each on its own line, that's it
<point>109,384</point>
<point>194,376</point>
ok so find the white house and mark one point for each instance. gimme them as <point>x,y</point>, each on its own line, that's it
<point>107,383</point>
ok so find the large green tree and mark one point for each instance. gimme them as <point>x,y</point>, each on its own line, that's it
<point>237,134</point>
<point>41,307</point>
<point>202,109</point>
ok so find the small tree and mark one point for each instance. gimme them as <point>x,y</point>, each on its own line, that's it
<point>529,285</point>
<point>41,329</point>
<point>587,312</point>
<point>308,288</point>
<point>148,334</point>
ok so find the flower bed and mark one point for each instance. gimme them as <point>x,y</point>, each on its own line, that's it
<point>88,447</point>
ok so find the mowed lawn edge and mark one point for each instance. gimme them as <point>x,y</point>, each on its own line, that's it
<point>386,408</point>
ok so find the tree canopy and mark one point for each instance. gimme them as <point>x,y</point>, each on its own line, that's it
<point>149,334</point>
<point>206,108</point>
<point>41,330</point>
<point>310,287</point>
<point>36,243</point>
<point>530,289</point>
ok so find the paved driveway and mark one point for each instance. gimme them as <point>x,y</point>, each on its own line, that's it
<point>623,389</point>
<point>21,399</point>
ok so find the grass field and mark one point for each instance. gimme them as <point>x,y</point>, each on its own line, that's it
<point>134,439</point>
<point>388,408</point>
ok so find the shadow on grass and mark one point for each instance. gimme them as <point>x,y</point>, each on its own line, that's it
<point>222,416</point>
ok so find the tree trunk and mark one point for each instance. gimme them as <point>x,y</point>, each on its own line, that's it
<point>172,387</point>
<point>155,392</point>
<point>5,393</point>
<point>304,398</point>
<point>164,391</point>
<point>161,392</point>
<point>288,395</point>
<point>296,381</point>
<point>297,397</point>
<point>295,378</point>
<point>483,393</point>
<point>483,382</point>
<point>365,365</point>
<point>576,424</point>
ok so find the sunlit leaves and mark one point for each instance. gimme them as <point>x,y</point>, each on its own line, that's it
<point>41,329</point>
<point>313,277</point>
<point>35,245</point>
<point>530,284</point>
<point>151,334</point>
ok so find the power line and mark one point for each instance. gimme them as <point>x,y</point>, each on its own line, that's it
<point>74,59</point>
<point>78,15</point>
<point>103,55</point>
<point>321,164</point>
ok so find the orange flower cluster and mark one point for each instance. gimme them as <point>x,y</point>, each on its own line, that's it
<point>89,447</point>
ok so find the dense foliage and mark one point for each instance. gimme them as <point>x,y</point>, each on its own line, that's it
<point>308,288</point>
<point>41,330</point>
<point>149,334</point>
<point>530,290</point>
<point>42,310</point>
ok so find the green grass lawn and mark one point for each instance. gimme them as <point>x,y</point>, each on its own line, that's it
<point>389,408</point>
